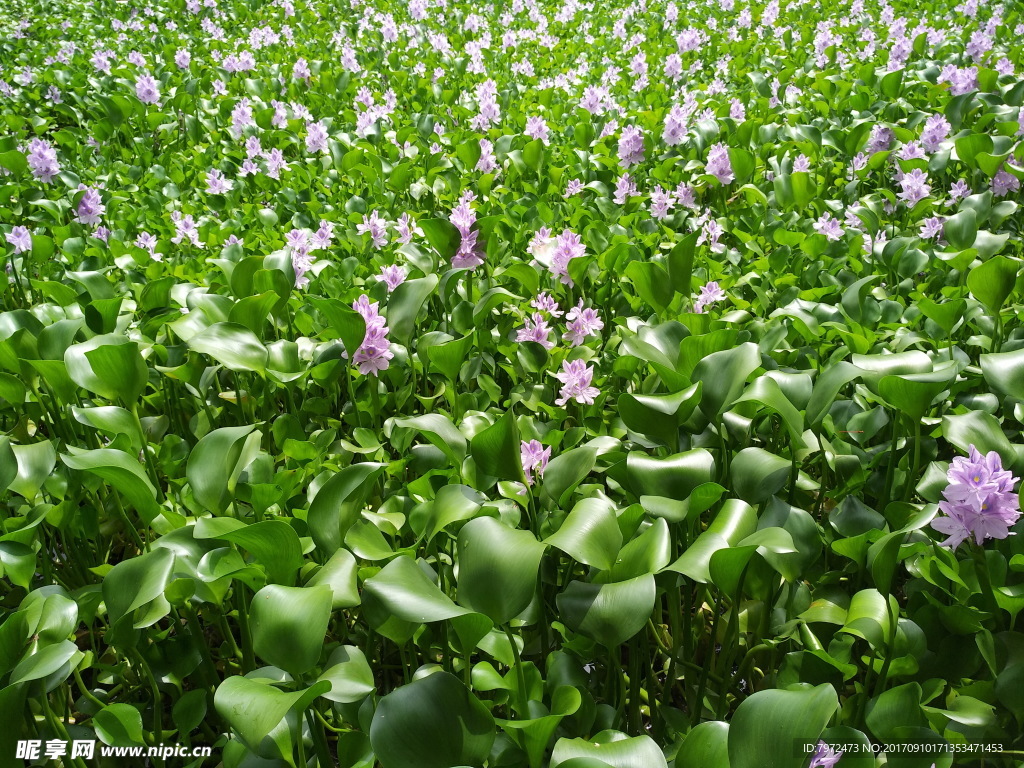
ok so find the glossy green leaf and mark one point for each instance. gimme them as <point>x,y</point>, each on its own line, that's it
<point>496,449</point>
<point>288,625</point>
<point>433,722</point>
<point>233,346</point>
<point>770,728</point>
<point>611,613</point>
<point>590,534</point>
<point>498,568</point>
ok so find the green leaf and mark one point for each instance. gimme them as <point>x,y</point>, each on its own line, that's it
<point>680,264</point>
<point>441,432</point>
<point>496,449</point>
<point>992,282</point>
<point>34,463</point>
<point>611,613</point>
<point>590,534</point>
<point>766,391</point>
<point>610,748</point>
<point>339,573</point>
<point>961,229</point>
<point>659,416</point>
<point>272,543</point>
<point>255,708</point>
<point>442,236</point>
<point>651,282</point>
<point>724,376</point>
<point>567,471</point>
<point>121,471</point>
<point>345,321</point>
<point>913,393</point>
<point>535,734</point>
<point>349,674</point>
<point>433,722</point>
<point>339,503</point>
<point>233,346</point>
<point>408,593</point>
<point>673,477</point>
<point>109,366</point>
<point>404,305</point>
<point>734,521</point>
<point>44,662</point>
<point>768,728</point>
<point>757,474</point>
<point>214,465</point>
<point>706,746</point>
<point>498,568</point>
<point>288,625</point>
<point>137,581</point>
<point>119,725</point>
<point>1004,372</point>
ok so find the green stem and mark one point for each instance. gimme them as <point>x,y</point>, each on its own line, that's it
<point>520,673</point>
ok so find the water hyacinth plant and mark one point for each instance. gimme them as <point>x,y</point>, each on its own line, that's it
<point>531,384</point>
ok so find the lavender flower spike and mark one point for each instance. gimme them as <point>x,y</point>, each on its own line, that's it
<point>979,501</point>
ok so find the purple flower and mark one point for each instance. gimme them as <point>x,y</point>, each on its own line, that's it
<point>1003,183</point>
<point>574,187</point>
<point>958,191</point>
<point>373,355</point>
<point>42,160</point>
<point>486,163</point>
<point>407,227</point>
<point>147,242</point>
<point>931,227</point>
<point>393,276</point>
<point>316,137</point>
<point>936,129</point>
<point>576,377</point>
<point>374,226</point>
<point>880,140</point>
<point>182,58</point>
<point>146,89</point>
<point>185,229</point>
<point>535,459</point>
<point>216,184</point>
<point>90,207</point>
<point>915,187</point>
<point>824,756</point>
<point>912,151</point>
<point>300,70</point>
<point>582,322</point>
<point>470,254</point>
<point>709,294</point>
<point>828,227</point>
<point>631,146</point>
<point>536,128</point>
<point>536,329</point>
<point>624,189</point>
<point>241,118</point>
<point>546,303</point>
<point>710,232</point>
<point>323,237</point>
<point>567,246</point>
<point>979,500</point>
<point>719,165</point>
<point>802,164</point>
<point>661,203</point>
<point>21,239</point>
<point>675,126</point>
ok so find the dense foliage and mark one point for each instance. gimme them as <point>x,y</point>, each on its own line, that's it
<point>433,383</point>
